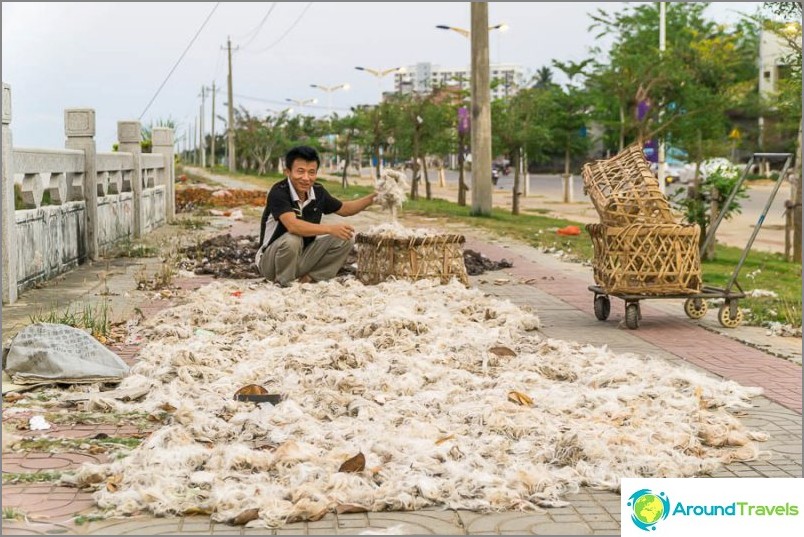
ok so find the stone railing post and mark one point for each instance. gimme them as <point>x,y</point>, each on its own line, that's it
<point>162,143</point>
<point>128,137</point>
<point>79,128</point>
<point>9,221</point>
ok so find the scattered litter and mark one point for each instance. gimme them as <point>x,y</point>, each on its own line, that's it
<point>759,293</point>
<point>38,423</point>
<point>569,230</point>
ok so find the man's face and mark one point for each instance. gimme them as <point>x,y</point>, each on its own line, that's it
<point>302,174</point>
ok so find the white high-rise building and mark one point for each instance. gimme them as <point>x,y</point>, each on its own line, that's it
<point>424,77</point>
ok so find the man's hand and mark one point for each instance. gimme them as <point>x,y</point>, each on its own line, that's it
<point>342,231</point>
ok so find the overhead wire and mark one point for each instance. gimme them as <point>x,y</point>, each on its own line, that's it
<point>180,59</point>
<point>292,26</point>
<point>256,31</point>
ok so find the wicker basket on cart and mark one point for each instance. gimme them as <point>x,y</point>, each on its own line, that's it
<point>639,246</point>
<point>436,257</point>
<point>624,190</point>
<point>647,259</point>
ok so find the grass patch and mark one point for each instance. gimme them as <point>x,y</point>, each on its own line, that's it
<point>54,445</point>
<point>84,519</point>
<point>128,248</point>
<point>12,513</point>
<point>12,478</point>
<point>139,419</point>
<point>190,223</point>
<point>95,319</point>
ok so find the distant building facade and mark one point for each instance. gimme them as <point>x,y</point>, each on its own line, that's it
<point>424,77</point>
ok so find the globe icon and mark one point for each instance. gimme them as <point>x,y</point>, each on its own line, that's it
<point>648,509</point>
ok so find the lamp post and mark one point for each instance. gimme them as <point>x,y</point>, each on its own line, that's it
<point>379,74</point>
<point>329,90</point>
<point>301,103</point>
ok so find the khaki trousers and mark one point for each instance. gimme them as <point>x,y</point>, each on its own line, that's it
<point>286,259</point>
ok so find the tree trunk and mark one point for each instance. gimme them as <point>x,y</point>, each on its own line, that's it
<point>515,189</point>
<point>377,156</point>
<point>427,188</point>
<point>622,127</point>
<point>414,183</point>
<point>346,162</point>
<point>567,176</point>
<point>461,178</point>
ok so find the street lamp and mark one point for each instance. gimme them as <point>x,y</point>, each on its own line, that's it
<point>379,74</point>
<point>329,90</point>
<point>466,33</point>
<point>301,103</point>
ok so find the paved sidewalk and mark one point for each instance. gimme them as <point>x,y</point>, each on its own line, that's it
<point>556,289</point>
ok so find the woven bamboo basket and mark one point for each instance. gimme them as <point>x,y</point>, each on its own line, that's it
<point>437,257</point>
<point>647,259</point>
<point>624,190</point>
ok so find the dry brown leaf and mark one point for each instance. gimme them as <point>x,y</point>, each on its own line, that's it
<point>344,508</point>
<point>196,510</point>
<point>167,407</point>
<point>251,389</point>
<point>95,450</point>
<point>245,517</point>
<point>502,351</point>
<point>13,396</point>
<point>444,439</point>
<point>355,464</point>
<point>519,398</point>
<point>113,482</point>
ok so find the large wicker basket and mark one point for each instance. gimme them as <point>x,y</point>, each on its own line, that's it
<point>647,259</point>
<point>624,190</point>
<point>437,257</point>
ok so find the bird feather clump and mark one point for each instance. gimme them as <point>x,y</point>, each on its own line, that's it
<point>448,397</point>
<point>391,190</point>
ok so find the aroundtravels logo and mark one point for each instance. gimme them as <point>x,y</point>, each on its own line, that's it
<point>648,508</point>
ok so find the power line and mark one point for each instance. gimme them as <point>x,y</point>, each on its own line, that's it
<point>292,26</point>
<point>256,31</point>
<point>179,60</point>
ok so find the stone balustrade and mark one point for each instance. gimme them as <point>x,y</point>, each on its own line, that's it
<point>77,203</point>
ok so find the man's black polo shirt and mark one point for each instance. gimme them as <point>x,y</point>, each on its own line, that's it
<point>280,201</point>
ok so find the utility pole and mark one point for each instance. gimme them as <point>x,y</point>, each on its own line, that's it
<point>201,127</point>
<point>195,141</point>
<point>212,140</point>
<point>662,165</point>
<point>230,126</point>
<point>481,111</point>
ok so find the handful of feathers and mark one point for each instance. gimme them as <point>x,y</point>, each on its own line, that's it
<point>391,187</point>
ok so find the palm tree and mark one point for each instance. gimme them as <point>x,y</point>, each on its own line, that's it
<point>543,78</point>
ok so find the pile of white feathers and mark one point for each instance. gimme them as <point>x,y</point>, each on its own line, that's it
<point>453,397</point>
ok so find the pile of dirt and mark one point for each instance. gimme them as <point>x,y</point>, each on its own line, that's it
<point>223,256</point>
<point>477,263</point>
<point>226,256</point>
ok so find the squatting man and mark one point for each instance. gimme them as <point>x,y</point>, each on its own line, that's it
<point>295,245</point>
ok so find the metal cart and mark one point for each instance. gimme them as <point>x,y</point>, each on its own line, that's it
<point>695,306</point>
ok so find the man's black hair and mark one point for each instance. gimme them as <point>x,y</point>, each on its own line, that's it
<point>304,152</point>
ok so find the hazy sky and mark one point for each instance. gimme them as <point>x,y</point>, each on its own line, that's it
<point>113,57</point>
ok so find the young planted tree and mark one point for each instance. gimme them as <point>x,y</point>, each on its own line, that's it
<point>521,122</point>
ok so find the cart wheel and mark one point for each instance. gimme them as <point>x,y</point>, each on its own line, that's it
<point>632,315</point>
<point>602,307</point>
<point>695,308</point>
<point>725,318</point>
